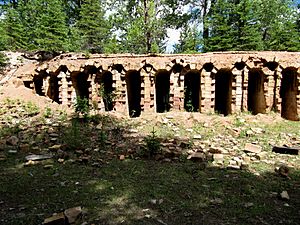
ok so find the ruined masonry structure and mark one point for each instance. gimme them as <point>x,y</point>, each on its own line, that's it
<point>224,82</point>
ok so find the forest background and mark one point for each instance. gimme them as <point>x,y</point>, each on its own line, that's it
<point>143,26</point>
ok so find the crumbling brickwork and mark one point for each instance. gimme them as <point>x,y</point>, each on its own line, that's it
<point>225,82</point>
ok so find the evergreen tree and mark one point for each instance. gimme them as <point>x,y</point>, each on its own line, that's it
<point>252,25</point>
<point>222,36</point>
<point>278,20</point>
<point>92,26</point>
<point>36,25</point>
<point>51,30</point>
<point>13,30</point>
<point>190,40</point>
<point>3,37</point>
<point>72,10</point>
<point>3,61</point>
<point>246,23</point>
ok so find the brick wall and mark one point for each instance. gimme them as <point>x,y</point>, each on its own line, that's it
<point>187,82</point>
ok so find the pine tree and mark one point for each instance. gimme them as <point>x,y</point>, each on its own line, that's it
<point>190,40</point>
<point>248,27</point>
<point>252,25</point>
<point>36,25</point>
<point>3,61</point>
<point>3,37</point>
<point>92,26</point>
<point>284,35</point>
<point>13,31</point>
<point>51,31</point>
<point>222,37</point>
<point>278,20</point>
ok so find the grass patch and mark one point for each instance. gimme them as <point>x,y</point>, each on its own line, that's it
<point>130,191</point>
<point>126,191</point>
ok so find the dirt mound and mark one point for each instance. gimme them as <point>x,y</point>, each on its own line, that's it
<point>15,91</point>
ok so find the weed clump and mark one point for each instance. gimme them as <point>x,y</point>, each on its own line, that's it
<point>48,112</point>
<point>74,137</point>
<point>82,107</point>
<point>153,146</point>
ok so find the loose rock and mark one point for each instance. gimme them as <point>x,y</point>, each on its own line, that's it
<point>73,214</point>
<point>253,148</point>
<point>197,156</point>
<point>218,158</point>
<point>262,155</point>
<point>248,204</point>
<point>286,150</point>
<point>197,136</point>
<point>37,157</point>
<point>233,167</point>
<point>284,195</point>
<point>13,140</point>
<point>24,147</point>
<point>56,219</point>
<point>55,147</point>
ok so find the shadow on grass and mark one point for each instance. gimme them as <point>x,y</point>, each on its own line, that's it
<point>131,191</point>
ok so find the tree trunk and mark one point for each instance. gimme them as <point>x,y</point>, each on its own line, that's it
<point>147,31</point>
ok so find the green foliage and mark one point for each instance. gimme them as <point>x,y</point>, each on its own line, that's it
<point>3,61</point>
<point>75,137</point>
<point>278,24</point>
<point>92,26</point>
<point>101,138</point>
<point>48,112</point>
<point>31,109</point>
<point>248,34</point>
<point>107,96</point>
<point>63,116</point>
<point>82,106</point>
<point>188,100</point>
<point>153,146</point>
<point>190,40</point>
<point>14,35</point>
<point>3,37</point>
<point>36,25</point>
<point>247,25</point>
<point>51,31</point>
<point>222,35</point>
<point>141,26</point>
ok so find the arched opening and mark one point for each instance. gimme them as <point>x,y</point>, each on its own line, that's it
<point>192,91</point>
<point>240,65</point>
<point>288,93</point>
<point>208,67</point>
<point>133,83</point>
<point>38,84</point>
<point>81,84</point>
<point>162,90</point>
<point>272,65</point>
<point>106,89</point>
<point>53,90</point>
<point>28,84</point>
<point>256,98</point>
<point>223,91</point>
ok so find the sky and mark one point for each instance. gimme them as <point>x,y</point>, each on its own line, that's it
<point>173,38</point>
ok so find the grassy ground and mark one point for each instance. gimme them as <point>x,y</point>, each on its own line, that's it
<point>139,190</point>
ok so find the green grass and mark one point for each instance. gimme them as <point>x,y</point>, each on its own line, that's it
<point>123,190</point>
<point>145,191</point>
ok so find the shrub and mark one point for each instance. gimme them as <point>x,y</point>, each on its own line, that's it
<point>3,61</point>
<point>82,106</point>
<point>153,146</point>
